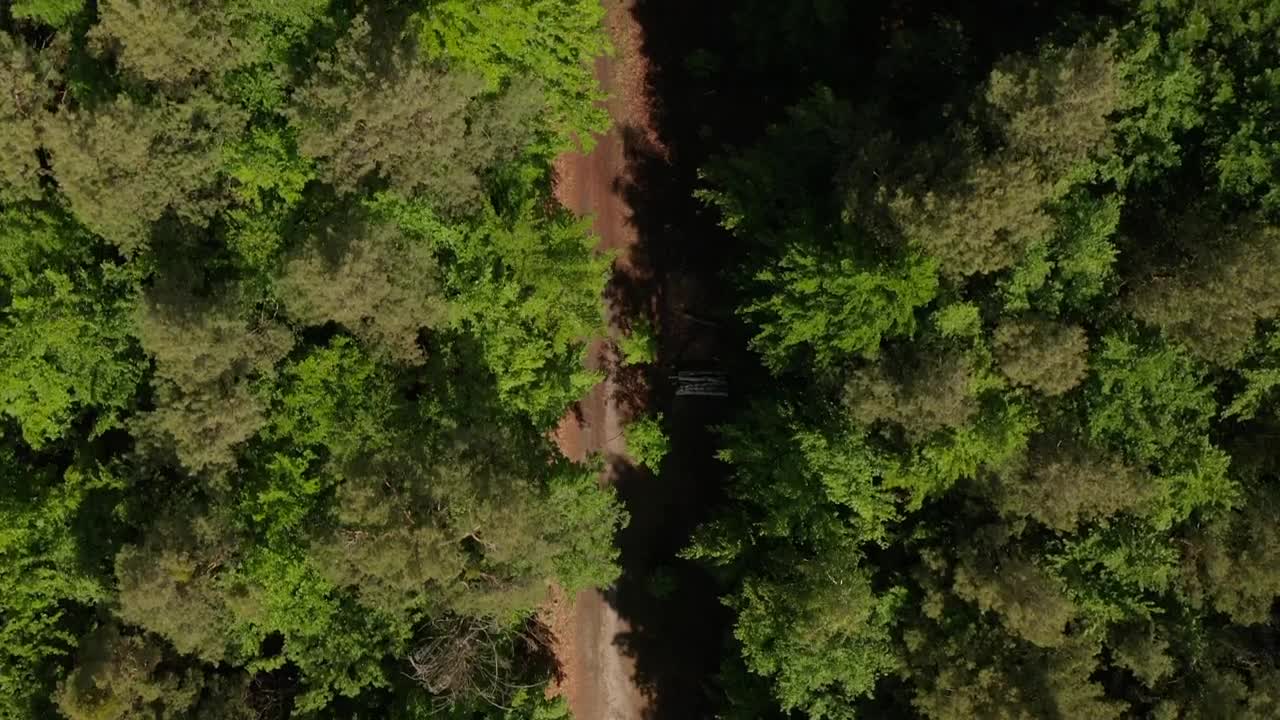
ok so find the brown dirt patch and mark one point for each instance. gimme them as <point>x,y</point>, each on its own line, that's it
<point>596,676</point>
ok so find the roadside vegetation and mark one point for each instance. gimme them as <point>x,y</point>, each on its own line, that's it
<point>1015,273</point>
<point>286,315</point>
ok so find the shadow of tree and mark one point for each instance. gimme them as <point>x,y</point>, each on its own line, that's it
<point>631,388</point>
<point>675,279</point>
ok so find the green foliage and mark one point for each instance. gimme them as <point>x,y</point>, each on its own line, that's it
<point>66,333</point>
<point>647,443</point>
<point>527,285</point>
<point>266,166</point>
<point>1051,111</point>
<point>836,309</point>
<point>1075,266</point>
<point>56,13</point>
<point>1151,403</point>
<point>639,345</point>
<point>1062,470</point>
<point>532,704</point>
<point>292,271</point>
<point>1118,572</point>
<point>849,469</point>
<point>552,42</point>
<point>368,278</point>
<point>528,703</point>
<point>1147,399</point>
<point>337,645</point>
<point>1261,375</point>
<point>1041,354</point>
<point>1213,301</point>
<point>123,165</point>
<point>121,676</point>
<point>24,77</point>
<point>775,493</point>
<point>959,320</point>
<point>336,397</point>
<point>822,637</point>
<point>1199,86</point>
<point>584,525</point>
<point>838,283</point>
<point>358,107</point>
<point>993,440</point>
<point>528,289</point>
<point>44,586</point>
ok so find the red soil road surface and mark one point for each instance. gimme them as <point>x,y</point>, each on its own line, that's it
<point>597,677</point>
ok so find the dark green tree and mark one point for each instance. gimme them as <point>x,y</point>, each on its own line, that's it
<point>359,105</point>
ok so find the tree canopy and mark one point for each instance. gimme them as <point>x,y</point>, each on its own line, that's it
<point>1010,281</point>
<point>287,313</point>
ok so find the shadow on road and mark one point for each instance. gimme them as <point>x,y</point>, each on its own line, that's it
<point>676,280</point>
<point>671,605</point>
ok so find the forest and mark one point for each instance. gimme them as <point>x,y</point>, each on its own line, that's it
<point>285,314</point>
<point>288,313</point>
<point>1011,274</point>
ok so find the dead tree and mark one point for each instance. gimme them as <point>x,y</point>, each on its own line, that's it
<point>468,658</point>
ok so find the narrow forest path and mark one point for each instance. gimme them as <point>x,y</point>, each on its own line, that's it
<point>598,676</point>
<point>647,648</point>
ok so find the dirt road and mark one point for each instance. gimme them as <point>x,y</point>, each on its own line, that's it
<point>649,647</point>
<point>599,677</point>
